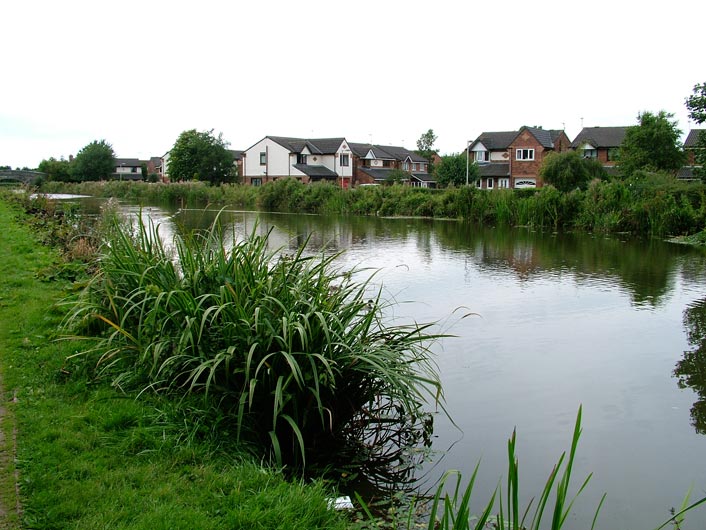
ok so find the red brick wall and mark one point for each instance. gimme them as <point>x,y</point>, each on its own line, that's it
<point>526,168</point>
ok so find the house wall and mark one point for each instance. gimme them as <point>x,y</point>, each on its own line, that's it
<point>499,156</point>
<point>277,165</point>
<point>521,169</point>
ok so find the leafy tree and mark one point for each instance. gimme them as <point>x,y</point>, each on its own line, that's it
<point>569,170</point>
<point>425,147</point>
<point>696,105</point>
<point>96,161</point>
<point>5,168</point>
<point>451,171</point>
<point>201,156</point>
<point>59,170</point>
<point>397,176</point>
<point>652,145</point>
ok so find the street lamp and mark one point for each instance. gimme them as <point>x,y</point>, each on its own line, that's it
<point>468,148</point>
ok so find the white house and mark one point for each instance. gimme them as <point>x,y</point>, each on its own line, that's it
<point>307,160</point>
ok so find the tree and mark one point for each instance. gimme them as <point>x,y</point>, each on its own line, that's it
<point>58,170</point>
<point>201,156</point>
<point>425,148</point>
<point>652,145</point>
<point>451,171</point>
<point>696,105</point>
<point>96,161</point>
<point>569,170</point>
<point>396,176</point>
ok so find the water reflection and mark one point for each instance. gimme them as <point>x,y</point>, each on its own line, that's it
<point>691,369</point>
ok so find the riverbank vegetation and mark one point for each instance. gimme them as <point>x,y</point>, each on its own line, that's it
<point>145,421</point>
<point>647,204</point>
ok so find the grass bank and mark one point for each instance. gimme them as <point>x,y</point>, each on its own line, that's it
<point>650,204</point>
<point>89,456</point>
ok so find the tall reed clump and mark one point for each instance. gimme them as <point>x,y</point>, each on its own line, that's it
<point>289,352</point>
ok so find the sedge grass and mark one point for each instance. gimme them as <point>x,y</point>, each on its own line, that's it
<point>289,349</point>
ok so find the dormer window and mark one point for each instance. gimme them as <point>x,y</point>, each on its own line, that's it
<point>590,153</point>
<point>301,159</point>
<point>482,156</point>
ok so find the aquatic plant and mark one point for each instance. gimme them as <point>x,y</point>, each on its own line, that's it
<point>291,352</point>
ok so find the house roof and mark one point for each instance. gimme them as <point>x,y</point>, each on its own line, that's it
<point>543,136</point>
<point>600,137</point>
<point>377,173</point>
<point>385,152</point>
<point>237,155</point>
<point>316,172</point>
<point>317,146</point>
<point>693,138</point>
<point>495,141</point>
<point>130,162</point>
<point>424,177</point>
<point>496,169</point>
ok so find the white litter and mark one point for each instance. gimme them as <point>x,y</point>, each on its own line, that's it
<point>340,503</point>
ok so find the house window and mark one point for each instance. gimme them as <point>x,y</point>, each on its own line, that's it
<point>613,154</point>
<point>263,158</point>
<point>503,183</point>
<point>344,160</point>
<point>524,154</point>
<point>256,181</point>
<point>301,159</point>
<point>590,153</point>
<point>406,166</point>
<point>491,184</point>
<point>482,156</point>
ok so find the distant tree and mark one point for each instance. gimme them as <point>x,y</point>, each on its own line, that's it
<point>425,148</point>
<point>696,105</point>
<point>201,156</point>
<point>396,176</point>
<point>451,171</point>
<point>5,168</point>
<point>652,145</point>
<point>58,170</point>
<point>569,170</point>
<point>96,161</point>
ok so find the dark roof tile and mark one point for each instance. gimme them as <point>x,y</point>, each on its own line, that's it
<point>600,137</point>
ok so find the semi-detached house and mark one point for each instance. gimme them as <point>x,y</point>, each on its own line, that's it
<point>307,160</point>
<point>333,160</point>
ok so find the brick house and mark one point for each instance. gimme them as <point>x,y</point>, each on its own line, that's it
<point>601,143</point>
<point>373,164</point>
<point>691,145</point>
<point>127,169</point>
<point>511,159</point>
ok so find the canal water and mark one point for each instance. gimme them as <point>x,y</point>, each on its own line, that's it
<point>614,325</point>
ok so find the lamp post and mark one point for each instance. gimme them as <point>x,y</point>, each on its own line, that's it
<point>468,148</point>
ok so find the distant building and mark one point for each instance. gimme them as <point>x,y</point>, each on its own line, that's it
<point>511,159</point>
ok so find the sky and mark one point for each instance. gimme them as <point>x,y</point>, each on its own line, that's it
<point>138,73</point>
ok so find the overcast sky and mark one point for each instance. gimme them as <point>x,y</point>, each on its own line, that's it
<point>138,73</point>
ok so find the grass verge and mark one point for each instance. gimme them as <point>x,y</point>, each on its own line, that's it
<point>90,457</point>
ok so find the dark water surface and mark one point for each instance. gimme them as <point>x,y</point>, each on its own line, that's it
<point>613,324</point>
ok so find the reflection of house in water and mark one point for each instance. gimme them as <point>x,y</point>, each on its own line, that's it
<point>520,256</point>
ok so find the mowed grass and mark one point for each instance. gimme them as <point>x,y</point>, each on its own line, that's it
<point>88,456</point>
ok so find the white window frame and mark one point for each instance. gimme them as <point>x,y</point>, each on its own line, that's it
<point>490,183</point>
<point>263,158</point>
<point>590,153</point>
<point>503,183</point>
<point>344,160</point>
<point>481,156</point>
<point>525,155</point>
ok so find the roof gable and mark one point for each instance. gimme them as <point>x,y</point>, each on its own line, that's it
<point>692,140</point>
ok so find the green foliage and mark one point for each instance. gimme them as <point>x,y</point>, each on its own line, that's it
<point>397,176</point>
<point>696,103</point>
<point>451,171</point>
<point>291,352</point>
<point>96,161</point>
<point>201,156</point>
<point>652,145</point>
<point>569,170</point>
<point>59,170</point>
<point>425,148</point>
